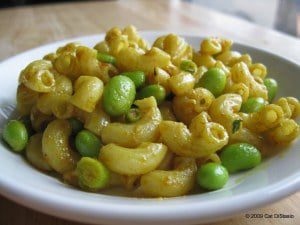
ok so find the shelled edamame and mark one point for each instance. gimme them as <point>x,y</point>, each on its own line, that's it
<point>213,80</point>
<point>155,90</point>
<point>87,144</point>
<point>118,95</point>
<point>15,135</point>
<point>272,87</point>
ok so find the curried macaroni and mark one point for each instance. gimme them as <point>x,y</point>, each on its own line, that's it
<point>151,120</point>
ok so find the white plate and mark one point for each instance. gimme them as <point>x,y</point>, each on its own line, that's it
<point>274,179</point>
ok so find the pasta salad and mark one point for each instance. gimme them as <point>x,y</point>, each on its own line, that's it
<point>159,120</point>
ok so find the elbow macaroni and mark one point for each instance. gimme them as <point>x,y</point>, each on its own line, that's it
<point>38,76</point>
<point>26,99</point>
<point>87,92</point>
<point>144,130</point>
<point>241,74</point>
<point>56,148</point>
<point>162,183</point>
<point>195,101</point>
<point>34,153</point>
<point>201,139</point>
<point>176,47</point>
<point>286,131</point>
<point>126,161</point>
<point>290,107</point>
<point>224,110</point>
<point>269,117</point>
<point>96,121</point>
<point>181,83</point>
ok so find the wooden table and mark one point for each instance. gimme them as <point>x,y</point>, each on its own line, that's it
<point>27,27</point>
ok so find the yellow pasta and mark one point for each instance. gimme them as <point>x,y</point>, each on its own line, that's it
<point>88,91</point>
<point>226,44</point>
<point>176,47</point>
<point>220,65</point>
<point>240,89</point>
<point>181,83</point>
<point>63,85</point>
<point>26,99</point>
<point>204,60</point>
<point>244,135</point>
<point>162,183</point>
<point>117,39</point>
<point>75,60</point>
<point>241,74</point>
<point>258,70</point>
<point>167,161</point>
<point>201,139</point>
<point>106,71</point>
<point>129,182</point>
<point>87,61</point>
<point>284,133</point>
<point>57,101</point>
<point>70,47</point>
<point>228,57</point>
<point>166,111</point>
<point>38,76</point>
<point>210,46</point>
<point>66,64</point>
<point>195,101</point>
<point>34,153</point>
<point>133,37</point>
<point>210,158</point>
<point>290,106</point>
<point>38,119</point>
<point>126,161</point>
<point>57,104</point>
<point>269,117</point>
<point>224,110</point>
<point>50,57</point>
<point>96,121</point>
<point>102,47</point>
<point>144,130</point>
<point>56,148</point>
<point>160,77</point>
<point>245,58</point>
<point>130,59</point>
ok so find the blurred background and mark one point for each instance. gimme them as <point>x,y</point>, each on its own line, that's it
<point>282,15</point>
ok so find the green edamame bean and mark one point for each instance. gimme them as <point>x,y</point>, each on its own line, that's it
<point>138,77</point>
<point>240,156</point>
<point>87,144</point>
<point>253,105</point>
<point>212,176</point>
<point>76,125</point>
<point>272,87</point>
<point>189,66</point>
<point>133,115</point>
<point>155,90</point>
<point>15,135</point>
<point>103,57</point>
<point>118,95</point>
<point>92,174</point>
<point>214,80</point>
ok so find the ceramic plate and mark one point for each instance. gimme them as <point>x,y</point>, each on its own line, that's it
<point>274,179</point>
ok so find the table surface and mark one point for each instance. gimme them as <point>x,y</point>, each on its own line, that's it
<point>27,27</point>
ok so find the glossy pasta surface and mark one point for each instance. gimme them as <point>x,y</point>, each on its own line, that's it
<point>158,150</point>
